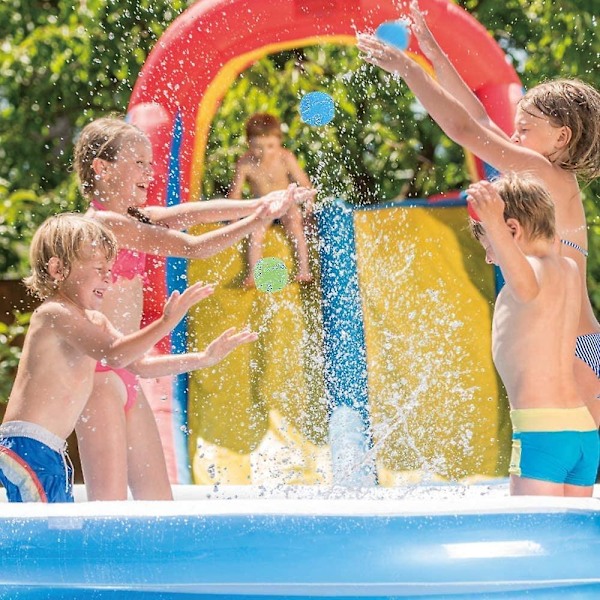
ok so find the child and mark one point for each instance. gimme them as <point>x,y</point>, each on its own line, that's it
<point>555,442</point>
<point>71,258</point>
<point>556,138</point>
<point>118,438</point>
<point>267,167</point>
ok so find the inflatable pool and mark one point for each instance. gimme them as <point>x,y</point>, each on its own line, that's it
<point>242,542</point>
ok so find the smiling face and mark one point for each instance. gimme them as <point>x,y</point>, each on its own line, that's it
<point>87,280</point>
<point>130,174</point>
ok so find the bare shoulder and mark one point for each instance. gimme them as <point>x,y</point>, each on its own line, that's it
<point>570,267</point>
<point>244,161</point>
<point>51,309</point>
<point>288,156</point>
<point>115,221</point>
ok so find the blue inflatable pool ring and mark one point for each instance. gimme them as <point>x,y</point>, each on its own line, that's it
<point>317,108</point>
<point>302,547</point>
<point>394,33</point>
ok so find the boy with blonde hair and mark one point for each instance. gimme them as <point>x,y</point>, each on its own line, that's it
<point>267,167</point>
<point>71,259</point>
<point>555,449</point>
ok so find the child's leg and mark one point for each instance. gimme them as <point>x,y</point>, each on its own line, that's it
<point>523,486</point>
<point>102,440</point>
<point>294,226</point>
<point>148,478</point>
<point>579,491</point>
<point>256,243</point>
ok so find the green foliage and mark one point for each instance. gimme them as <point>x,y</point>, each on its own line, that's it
<point>62,63</point>
<point>11,337</point>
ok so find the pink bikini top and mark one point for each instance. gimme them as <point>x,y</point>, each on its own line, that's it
<point>128,263</point>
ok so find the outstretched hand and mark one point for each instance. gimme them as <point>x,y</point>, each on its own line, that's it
<point>228,341</point>
<point>380,54</point>
<point>421,30</point>
<point>179,303</point>
<point>278,203</point>
<point>305,196</point>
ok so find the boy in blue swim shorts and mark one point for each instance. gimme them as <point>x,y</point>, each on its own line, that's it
<point>71,258</point>
<point>555,448</point>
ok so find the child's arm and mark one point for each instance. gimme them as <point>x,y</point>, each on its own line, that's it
<point>296,173</point>
<point>447,76</point>
<point>188,214</point>
<point>239,179</point>
<point>174,364</point>
<point>96,338</point>
<point>518,272</point>
<point>155,239</point>
<point>452,116</point>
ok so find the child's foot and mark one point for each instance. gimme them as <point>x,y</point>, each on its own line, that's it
<point>249,282</point>
<point>304,278</point>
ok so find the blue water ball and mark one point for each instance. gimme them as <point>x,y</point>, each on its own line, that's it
<point>317,108</point>
<point>394,33</point>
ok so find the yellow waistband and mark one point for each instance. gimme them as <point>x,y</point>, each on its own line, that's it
<point>552,419</point>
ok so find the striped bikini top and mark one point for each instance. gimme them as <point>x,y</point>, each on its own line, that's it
<point>576,246</point>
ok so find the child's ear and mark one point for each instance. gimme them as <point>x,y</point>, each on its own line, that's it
<point>514,226</point>
<point>56,269</point>
<point>564,137</point>
<point>99,166</point>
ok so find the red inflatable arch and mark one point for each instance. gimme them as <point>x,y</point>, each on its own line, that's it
<point>205,49</point>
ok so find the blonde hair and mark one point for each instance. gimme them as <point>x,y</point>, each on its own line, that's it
<point>103,138</point>
<point>69,237</point>
<point>574,104</point>
<point>527,201</point>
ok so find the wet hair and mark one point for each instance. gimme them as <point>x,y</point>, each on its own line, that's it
<point>261,124</point>
<point>527,201</point>
<point>574,104</point>
<point>69,237</point>
<point>103,138</point>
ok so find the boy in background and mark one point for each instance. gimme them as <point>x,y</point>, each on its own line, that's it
<point>266,167</point>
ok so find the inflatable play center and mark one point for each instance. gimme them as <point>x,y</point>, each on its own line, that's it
<point>375,376</point>
<point>380,371</point>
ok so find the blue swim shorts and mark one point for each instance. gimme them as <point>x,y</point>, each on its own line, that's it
<point>556,445</point>
<point>34,465</point>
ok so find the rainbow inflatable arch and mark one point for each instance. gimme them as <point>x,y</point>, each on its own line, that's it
<point>221,419</point>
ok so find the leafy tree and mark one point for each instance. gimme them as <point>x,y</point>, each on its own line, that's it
<point>62,63</point>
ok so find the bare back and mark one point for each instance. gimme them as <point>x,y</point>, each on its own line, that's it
<point>533,342</point>
<point>54,379</point>
<point>571,227</point>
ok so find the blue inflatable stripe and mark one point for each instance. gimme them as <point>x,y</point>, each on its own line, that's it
<point>344,336</point>
<point>176,275</point>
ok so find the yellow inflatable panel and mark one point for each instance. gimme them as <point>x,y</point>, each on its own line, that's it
<point>266,398</point>
<point>436,403</point>
<point>437,407</point>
